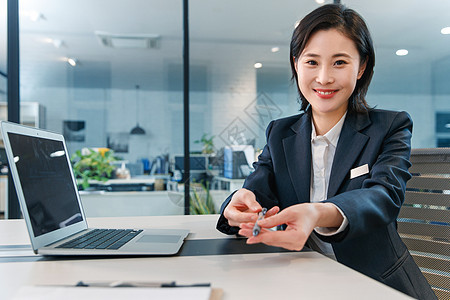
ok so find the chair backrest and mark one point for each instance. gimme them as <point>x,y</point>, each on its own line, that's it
<point>424,219</point>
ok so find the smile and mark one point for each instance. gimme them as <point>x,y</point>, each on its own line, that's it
<point>325,93</point>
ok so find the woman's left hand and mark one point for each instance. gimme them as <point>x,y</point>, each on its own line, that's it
<point>301,219</point>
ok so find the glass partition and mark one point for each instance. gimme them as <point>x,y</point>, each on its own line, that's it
<point>107,75</point>
<point>412,64</point>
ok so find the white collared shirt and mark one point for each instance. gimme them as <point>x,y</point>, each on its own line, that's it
<point>323,148</point>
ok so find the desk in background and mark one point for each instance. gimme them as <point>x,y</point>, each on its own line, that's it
<point>228,184</point>
<point>287,275</point>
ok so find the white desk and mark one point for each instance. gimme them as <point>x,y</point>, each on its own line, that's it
<point>228,184</point>
<point>293,275</point>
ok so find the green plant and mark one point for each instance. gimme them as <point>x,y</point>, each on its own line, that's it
<point>93,165</point>
<point>207,143</point>
<point>201,202</point>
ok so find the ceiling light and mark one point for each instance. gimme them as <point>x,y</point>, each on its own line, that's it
<point>320,1</point>
<point>445,30</point>
<point>72,61</point>
<point>275,49</point>
<point>142,41</point>
<point>137,129</point>
<point>58,43</point>
<point>258,65</point>
<point>401,52</point>
<point>33,15</point>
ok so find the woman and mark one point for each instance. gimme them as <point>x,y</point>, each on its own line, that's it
<point>335,175</point>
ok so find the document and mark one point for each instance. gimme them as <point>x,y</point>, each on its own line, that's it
<point>77,293</point>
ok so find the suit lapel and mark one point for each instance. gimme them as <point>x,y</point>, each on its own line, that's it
<point>297,151</point>
<point>351,143</point>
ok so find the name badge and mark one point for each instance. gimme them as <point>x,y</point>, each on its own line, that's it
<point>364,169</point>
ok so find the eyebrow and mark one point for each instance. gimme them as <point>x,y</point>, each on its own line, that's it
<point>334,55</point>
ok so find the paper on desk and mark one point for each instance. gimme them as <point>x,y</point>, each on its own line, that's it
<point>77,293</point>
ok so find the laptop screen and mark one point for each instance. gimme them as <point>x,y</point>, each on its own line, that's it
<point>46,181</point>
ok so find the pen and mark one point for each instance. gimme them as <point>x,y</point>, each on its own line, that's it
<point>116,284</point>
<point>256,228</point>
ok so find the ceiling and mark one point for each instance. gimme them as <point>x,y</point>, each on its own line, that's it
<point>243,31</point>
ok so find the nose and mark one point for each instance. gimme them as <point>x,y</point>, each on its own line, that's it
<point>324,75</point>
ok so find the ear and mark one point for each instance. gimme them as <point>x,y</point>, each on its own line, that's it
<point>295,64</point>
<point>362,68</point>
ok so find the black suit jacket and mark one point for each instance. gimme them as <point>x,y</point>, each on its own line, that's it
<point>371,202</point>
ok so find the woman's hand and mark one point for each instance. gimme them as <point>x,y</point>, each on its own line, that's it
<point>301,219</point>
<point>243,208</point>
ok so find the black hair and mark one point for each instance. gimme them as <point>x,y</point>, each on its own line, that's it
<point>352,25</point>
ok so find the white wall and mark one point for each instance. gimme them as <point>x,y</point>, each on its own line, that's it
<point>421,110</point>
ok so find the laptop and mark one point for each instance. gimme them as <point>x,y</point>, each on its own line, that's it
<point>47,190</point>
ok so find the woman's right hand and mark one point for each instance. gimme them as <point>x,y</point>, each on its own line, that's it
<point>243,208</point>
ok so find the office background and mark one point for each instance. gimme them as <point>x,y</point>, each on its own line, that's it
<point>94,70</point>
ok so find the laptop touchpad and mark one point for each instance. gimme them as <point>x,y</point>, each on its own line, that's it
<point>158,238</point>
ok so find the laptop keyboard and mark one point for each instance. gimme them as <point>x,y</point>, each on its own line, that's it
<point>111,239</point>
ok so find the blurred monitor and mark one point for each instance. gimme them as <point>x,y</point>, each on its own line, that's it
<point>198,166</point>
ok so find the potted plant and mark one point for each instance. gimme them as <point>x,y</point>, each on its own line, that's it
<point>207,143</point>
<point>89,164</point>
<point>201,202</point>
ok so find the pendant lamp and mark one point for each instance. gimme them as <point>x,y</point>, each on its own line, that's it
<point>137,129</point>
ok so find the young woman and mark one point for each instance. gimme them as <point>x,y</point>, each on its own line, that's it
<point>334,176</point>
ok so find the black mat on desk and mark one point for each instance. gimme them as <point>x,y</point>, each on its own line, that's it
<point>226,246</point>
<point>190,248</point>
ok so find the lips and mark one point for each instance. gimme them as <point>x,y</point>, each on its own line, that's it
<point>325,94</point>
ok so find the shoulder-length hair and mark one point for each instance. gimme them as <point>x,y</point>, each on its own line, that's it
<point>352,25</point>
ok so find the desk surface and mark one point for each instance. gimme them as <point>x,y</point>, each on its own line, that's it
<point>288,275</point>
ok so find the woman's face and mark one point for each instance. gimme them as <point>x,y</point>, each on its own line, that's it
<point>327,71</point>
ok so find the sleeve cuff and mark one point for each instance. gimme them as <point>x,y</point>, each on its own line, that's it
<point>329,231</point>
<point>224,227</point>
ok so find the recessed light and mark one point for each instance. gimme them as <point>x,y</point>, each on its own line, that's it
<point>58,43</point>
<point>72,61</point>
<point>401,52</point>
<point>33,15</point>
<point>258,66</point>
<point>55,42</point>
<point>320,1</point>
<point>445,30</point>
<point>275,49</point>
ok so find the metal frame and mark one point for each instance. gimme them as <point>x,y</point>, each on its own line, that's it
<point>13,85</point>
<point>187,166</point>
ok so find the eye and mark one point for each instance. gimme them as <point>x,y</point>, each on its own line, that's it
<point>340,63</point>
<point>311,62</point>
